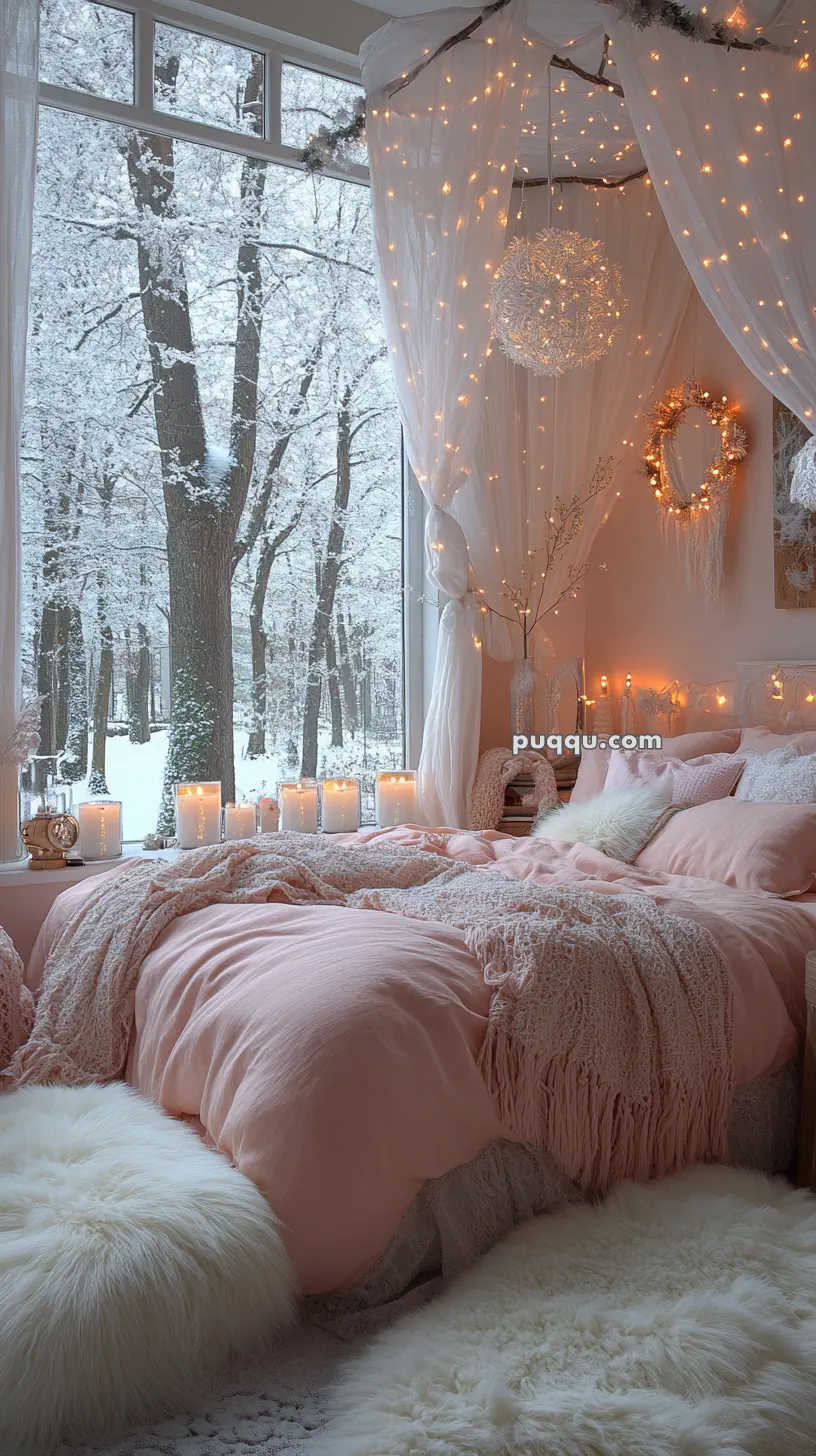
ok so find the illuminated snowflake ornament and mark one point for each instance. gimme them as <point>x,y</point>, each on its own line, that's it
<point>557,301</point>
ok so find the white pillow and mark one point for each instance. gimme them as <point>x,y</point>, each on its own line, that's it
<point>783,776</point>
<point>619,823</point>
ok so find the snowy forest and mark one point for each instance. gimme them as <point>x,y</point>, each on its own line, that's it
<point>212,505</point>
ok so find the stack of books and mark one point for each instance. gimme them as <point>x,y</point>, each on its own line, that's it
<point>518,817</point>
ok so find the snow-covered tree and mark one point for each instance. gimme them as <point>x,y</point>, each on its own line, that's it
<point>211,489</point>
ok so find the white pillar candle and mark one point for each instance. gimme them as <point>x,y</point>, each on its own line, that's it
<point>298,806</point>
<point>339,805</point>
<point>240,821</point>
<point>100,829</point>
<point>269,815</point>
<point>396,800</point>
<point>198,815</point>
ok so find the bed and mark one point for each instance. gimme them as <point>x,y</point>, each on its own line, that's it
<point>331,1053</point>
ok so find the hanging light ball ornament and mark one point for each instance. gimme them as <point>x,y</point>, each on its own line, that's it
<point>557,301</point>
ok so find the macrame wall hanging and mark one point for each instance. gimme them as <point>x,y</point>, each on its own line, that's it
<point>690,458</point>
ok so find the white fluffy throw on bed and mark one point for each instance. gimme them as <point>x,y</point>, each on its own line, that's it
<point>619,823</point>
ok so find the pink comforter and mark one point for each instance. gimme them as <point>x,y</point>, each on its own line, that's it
<point>332,1052</point>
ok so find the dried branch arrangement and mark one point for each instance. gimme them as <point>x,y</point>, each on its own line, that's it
<point>527,607</point>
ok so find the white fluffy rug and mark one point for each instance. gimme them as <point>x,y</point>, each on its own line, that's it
<point>133,1260</point>
<point>679,1319</point>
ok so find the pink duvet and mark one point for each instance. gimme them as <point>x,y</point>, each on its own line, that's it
<point>331,1052</point>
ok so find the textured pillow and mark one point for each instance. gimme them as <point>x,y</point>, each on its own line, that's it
<point>784,776</point>
<point>594,763</point>
<point>618,823</point>
<point>764,740</point>
<point>712,776</point>
<point>767,849</point>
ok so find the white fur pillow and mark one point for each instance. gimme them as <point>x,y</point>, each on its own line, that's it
<point>783,776</point>
<point>619,823</point>
<point>133,1261</point>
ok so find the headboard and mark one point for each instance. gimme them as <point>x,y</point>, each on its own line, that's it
<point>779,694</point>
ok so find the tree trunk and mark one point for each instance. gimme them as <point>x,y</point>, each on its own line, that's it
<point>74,764</point>
<point>52,675</point>
<point>52,638</point>
<point>346,674</point>
<point>97,783</point>
<point>203,513</point>
<point>257,634</point>
<point>334,691</point>
<point>139,685</point>
<point>328,587</point>
<point>258,640</point>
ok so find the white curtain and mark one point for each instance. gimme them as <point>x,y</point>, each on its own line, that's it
<point>442,154</point>
<point>18,145</point>
<point>730,141</point>
<point>544,437</point>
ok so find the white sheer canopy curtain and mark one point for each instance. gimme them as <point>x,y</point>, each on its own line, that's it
<point>18,147</point>
<point>729,138</point>
<point>442,151</point>
<point>543,437</point>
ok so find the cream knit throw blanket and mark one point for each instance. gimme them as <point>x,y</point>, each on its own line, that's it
<point>16,1003</point>
<point>609,1035</point>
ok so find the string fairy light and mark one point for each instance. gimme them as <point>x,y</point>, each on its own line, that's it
<point>663,421</point>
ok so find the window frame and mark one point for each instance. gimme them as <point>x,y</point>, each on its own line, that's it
<point>419,616</point>
<point>143,114</point>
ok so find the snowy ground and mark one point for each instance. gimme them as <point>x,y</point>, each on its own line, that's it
<point>135,774</point>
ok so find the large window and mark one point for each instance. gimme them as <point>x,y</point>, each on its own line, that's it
<point>212,499</point>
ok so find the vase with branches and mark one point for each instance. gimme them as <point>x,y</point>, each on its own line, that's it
<point>532,600</point>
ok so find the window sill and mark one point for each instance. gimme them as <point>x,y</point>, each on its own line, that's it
<point>17,873</point>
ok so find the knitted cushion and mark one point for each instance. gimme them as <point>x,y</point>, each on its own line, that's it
<point>695,781</point>
<point>497,768</point>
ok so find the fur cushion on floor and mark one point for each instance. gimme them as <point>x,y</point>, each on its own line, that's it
<point>619,823</point>
<point>678,1319</point>
<point>133,1260</point>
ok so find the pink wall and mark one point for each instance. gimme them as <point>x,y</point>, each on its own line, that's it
<point>638,616</point>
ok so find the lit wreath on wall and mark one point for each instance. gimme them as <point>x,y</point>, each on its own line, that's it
<point>663,422</point>
<point>698,506</point>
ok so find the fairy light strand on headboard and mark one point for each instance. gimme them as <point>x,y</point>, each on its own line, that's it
<point>790,687</point>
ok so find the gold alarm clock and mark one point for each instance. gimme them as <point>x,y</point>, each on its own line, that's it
<point>48,837</point>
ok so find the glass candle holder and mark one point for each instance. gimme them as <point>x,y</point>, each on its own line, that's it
<point>396,799</point>
<point>198,814</point>
<point>298,806</point>
<point>100,829</point>
<point>240,821</point>
<point>339,805</point>
<point>268,814</point>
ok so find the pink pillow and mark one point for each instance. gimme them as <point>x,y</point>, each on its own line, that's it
<point>695,782</point>
<point>595,762</point>
<point>764,740</point>
<point>768,849</point>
